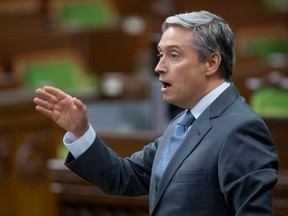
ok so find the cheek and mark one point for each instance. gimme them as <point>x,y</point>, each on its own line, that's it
<point>191,82</point>
<point>188,78</point>
<point>185,87</point>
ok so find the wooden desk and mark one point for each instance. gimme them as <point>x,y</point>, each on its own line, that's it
<point>76,196</point>
<point>27,140</point>
<point>281,194</point>
<point>279,128</point>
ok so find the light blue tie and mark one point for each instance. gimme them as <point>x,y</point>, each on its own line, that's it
<point>178,135</point>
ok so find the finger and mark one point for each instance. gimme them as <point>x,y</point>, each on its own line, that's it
<point>78,103</point>
<point>44,95</point>
<point>45,111</point>
<point>58,93</point>
<point>43,103</point>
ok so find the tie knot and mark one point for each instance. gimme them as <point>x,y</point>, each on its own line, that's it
<point>187,119</point>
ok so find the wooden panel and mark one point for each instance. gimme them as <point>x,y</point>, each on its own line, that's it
<point>279,128</point>
<point>76,196</point>
<point>281,194</point>
<point>27,141</point>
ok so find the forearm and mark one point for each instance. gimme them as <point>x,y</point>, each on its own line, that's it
<point>114,175</point>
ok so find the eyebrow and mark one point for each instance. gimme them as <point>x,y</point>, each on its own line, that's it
<point>169,47</point>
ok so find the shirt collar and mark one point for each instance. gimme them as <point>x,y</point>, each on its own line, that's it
<point>208,99</point>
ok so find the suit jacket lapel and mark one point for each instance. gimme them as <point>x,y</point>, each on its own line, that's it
<point>197,131</point>
<point>192,139</point>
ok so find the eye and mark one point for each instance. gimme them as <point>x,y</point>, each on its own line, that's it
<point>159,55</point>
<point>175,56</point>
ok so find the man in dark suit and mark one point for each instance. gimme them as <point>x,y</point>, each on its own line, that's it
<point>226,164</point>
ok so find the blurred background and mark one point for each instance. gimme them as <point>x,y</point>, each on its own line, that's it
<point>104,52</point>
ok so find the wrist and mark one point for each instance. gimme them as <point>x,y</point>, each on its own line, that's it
<point>81,131</point>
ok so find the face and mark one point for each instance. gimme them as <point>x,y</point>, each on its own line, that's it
<point>182,76</point>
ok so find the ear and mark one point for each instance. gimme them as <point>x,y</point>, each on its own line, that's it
<point>213,64</point>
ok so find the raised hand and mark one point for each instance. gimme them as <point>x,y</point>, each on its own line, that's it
<point>67,111</point>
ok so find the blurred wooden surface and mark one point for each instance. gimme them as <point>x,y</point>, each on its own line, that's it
<point>281,194</point>
<point>76,196</point>
<point>279,129</point>
<point>27,141</point>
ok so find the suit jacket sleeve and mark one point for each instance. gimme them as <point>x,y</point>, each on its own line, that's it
<point>114,175</point>
<point>247,169</point>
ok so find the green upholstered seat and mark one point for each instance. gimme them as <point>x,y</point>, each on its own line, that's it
<point>85,14</point>
<point>61,73</point>
<point>263,46</point>
<point>270,101</point>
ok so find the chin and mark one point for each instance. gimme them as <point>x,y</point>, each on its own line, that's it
<point>171,101</point>
<point>166,100</point>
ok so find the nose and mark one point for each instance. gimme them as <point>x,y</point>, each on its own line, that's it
<point>160,67</point>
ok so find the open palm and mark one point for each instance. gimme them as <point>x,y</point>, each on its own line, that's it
<point>68,112</point>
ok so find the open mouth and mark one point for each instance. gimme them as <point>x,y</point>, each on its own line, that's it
<point>165,84</point>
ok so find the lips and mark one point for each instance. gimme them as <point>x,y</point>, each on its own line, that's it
<point>165,85</point>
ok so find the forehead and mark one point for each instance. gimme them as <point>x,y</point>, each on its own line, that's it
<point>176,36</point>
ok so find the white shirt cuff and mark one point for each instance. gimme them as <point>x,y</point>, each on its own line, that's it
<point>78,146</point>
